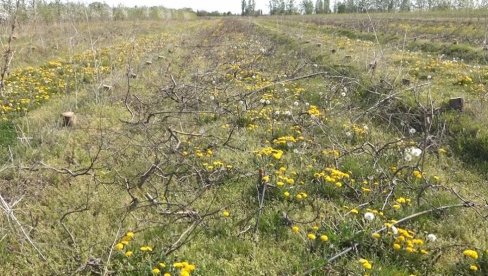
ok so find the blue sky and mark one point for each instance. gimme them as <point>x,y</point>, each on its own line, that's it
<point>208,5</point>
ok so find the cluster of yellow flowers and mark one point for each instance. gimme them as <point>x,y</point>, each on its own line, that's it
<point>367,265</point>
<point>27,88</point>
<point>203,153</point>
<point>312,236</point>
<point>124,242</point>
<point>399,202</point>
<point>182,268</point>
<point>417,174</point>
<point>285,140</point>
<point>472,254</point>
<point>333,176</point>
<point>464,80</point>
<point>332,152</point>
<point>407,240</point>
<point>269,151</point>
<point>313,110</point>
<point>216,165</point>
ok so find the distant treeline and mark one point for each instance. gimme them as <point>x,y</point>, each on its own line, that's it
<point>213,13</point>
<point>52,11</point>
<point>283,7</point>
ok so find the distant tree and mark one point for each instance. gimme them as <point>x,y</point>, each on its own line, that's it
<point>290,7</point>
<point>281,7</point>
<point>340,7</point>
<point>243,7</point>
<point>326,6</point>
<point>307,6</point>
<point>119,13</point>
<point>100,10</point>
<point>319,7</point>
<point>405,5</point>
<point>249,7</point>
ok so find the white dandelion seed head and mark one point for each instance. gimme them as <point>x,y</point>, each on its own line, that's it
<point>412,131</point>
<point>394,230</point>
<point>262,101</point>
<point>431,237</point>
<point>268,102</point>
<point>307,104</point>
<point>348,134</point>
<point>287,113</point>
<point>365,127</point>
<point>369,216</point>
<point>343,94</point>
<point>407,157</point>
<point>295,103</point>
<point>315,65</point>
<point>415,151</point>
<point>212,98</point>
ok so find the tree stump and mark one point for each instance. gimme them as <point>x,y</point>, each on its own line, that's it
<point>456,104</point>
<point>69,119</point>
<point>406,82</point>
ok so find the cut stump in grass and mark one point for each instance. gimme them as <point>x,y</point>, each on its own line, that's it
<point>69,119</point>
<point>456,104</point>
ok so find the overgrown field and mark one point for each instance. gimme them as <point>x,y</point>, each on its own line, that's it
<point>246,146</point>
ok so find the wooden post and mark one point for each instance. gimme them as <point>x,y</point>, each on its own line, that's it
<point>69,119</point>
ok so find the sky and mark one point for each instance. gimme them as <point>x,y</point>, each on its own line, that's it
<point>233,6</point>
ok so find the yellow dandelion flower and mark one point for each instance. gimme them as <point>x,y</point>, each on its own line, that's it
<point>146,248</point>
<point>278,154</point>
<point>473,267</point>
<point>225,214</point>
<point>376,235</point>
<point>155,271</point>
<point>354,211</point>
<point>130,235</point>
<point>397,206</point>
<point>295,229</point>
<point>396,246</point>
<point>162,265</point>
<point>286,194</point>
<point>324,238</point>
<point>470,253</point>
<point>128,253</point>
<point>119,246</point>
<point>311,236</point>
